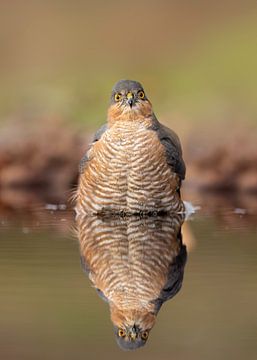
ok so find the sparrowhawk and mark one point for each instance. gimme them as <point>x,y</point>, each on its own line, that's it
<point>134,164</point>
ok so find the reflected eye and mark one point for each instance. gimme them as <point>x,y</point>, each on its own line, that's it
<point>141,94</point>
<point>144,335</point>
<point>117,97</point>
<point>121,333</point>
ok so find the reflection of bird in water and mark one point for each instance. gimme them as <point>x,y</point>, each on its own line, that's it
<point>134,164</point>
<point>135,264</point>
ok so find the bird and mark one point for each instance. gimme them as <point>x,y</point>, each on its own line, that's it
<point>135,263</point>
<point>134,164</point>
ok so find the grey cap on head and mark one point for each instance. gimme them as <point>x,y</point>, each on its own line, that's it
<point>127,85</point>
<point>125,344</point>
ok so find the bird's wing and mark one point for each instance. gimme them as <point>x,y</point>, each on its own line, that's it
<point>86,268</point>
<point>101,294</point>
<point>174,279</point>
<point>173,148</point>
<point>96,137</point>
<point>100,132</point>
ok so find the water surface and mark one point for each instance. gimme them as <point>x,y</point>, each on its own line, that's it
<point>50,310</point>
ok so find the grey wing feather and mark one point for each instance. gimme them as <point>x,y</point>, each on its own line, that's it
<point>100,132</point>
<point>101,294</point>
<point>84,265</point>
<point>86,269</point>
<point>96,137</point>
<point>173,148</point>
<point>174,279</point>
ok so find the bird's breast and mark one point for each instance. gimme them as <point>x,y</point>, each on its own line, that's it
<point>128,171</point>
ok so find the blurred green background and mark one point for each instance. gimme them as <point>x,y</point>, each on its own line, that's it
<point>196,59</point>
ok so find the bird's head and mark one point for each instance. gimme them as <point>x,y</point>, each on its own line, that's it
<point>132,327</point>
<point>129,102</point>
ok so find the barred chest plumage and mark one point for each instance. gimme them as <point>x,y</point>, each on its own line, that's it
<point>127,171</point>
<point>129,260</point>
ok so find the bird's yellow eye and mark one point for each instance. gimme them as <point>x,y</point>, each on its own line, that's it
<point>141,94</point>
<point>117,97</point>
<point>144,335</point>
<point>121,333</point>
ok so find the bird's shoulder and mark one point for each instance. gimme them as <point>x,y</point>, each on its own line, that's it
<point>100,132</point>
<point>172,145</point>
<point>97,136</point>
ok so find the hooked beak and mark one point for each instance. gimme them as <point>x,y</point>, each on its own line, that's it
<point>130,99</point>
<point>133,333</point>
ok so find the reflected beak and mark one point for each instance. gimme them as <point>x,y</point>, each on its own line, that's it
<point>133,334</point>
<point>130,99</point>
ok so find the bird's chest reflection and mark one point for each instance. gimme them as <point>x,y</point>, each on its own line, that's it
<point>129,259</point>
<point>135,263</point>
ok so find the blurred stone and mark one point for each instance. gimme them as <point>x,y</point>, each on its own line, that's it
<point>41,159</point>
<point>222,160</point>
<point>15,175</point>
<point>248,180</point>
